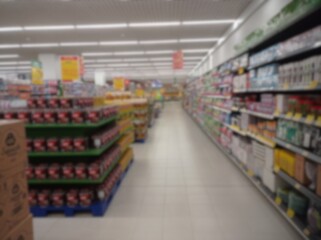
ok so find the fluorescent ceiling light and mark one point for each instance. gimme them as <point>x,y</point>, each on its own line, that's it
<point>152,42</point>
<point>128,53</point>
<point>90,61</point>
<point>101,26</point>
<point>162,64</point>
<point>3,56</point>
<point>136,60</point>
<point>77,44</point>
<point>162,59</point>
<point>192,58</point>
<point>10,29</point>
<point>24,62</point>
<point>159,52</point>
<point>139,64</point>
<point>119,65</point>
<point>8,46</point>
<point>108,60</point>
<point>10,68</point>
<point>115,43</point>
<point>196,40</point>
<point>15,63</point>
<point>155,24</point>
<point>39,45</point>
<point>95,65</point>
<point>208,22</point>
<point>97,54</point>
<point>195,50</point>
<point>49,28</point>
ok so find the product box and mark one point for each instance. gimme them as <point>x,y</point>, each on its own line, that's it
<point>14,205</point>
<point>272,181</point>
<point>299,173</point>
<point>22,231</point>
<point>319,180</point>
<point>13,146</point>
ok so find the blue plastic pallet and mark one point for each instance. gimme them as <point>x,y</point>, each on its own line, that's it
<point>97,209</point>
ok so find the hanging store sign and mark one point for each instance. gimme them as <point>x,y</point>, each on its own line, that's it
<point>70,68</point>
<point>178,60</point>
<point>119,84</point>
<point>36,73</point>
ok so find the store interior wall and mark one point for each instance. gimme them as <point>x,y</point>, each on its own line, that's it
<point>259,18</point>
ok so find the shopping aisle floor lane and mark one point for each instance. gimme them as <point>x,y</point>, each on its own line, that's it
<point>181,187</point>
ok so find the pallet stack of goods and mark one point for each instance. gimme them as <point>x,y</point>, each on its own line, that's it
<point>15,217</point>
<point>141,119</point>
<point>74,153</point>
<point>262,109</point>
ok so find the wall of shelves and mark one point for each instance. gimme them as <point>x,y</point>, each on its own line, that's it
<point>268,121</point>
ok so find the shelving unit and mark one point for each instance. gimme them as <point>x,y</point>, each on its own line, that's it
<point>264,87</point>
<point>82,180</point>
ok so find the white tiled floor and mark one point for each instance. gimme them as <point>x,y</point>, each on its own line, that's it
<point>181,187</point>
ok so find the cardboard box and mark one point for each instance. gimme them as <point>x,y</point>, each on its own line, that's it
<point>272,181</point>
<point>13,148</point>
<point>299,173</point>
<point>319,180</point>
<point>23,231</point>
<point>14,206</point>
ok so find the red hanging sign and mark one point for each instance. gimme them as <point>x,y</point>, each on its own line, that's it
<point>178,60</point>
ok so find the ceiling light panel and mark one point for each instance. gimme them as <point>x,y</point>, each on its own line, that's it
<point>109,60</point>
<point>49,28</point>
<point>4,56</point>
<point>10,29</point>
<point>118,43</point>
<point>92,54</point>
<point>154,24</point>
<point>195,50</point>
<point>198,40</point>
<point>102,26</point>
<point>9,46</point>
<point>208,22</point>
<point>159,42</point>
<point>159,52</point>
<point>39,45</point>
<point>128,53</point>
<point>78,44</point>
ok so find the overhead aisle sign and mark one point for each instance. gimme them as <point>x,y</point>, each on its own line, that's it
<point>70,68</point>
<point>36,73</point>
<point>178,60</point>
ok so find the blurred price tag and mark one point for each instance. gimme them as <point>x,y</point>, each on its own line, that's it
<point>250,173</point>
<point>309,119</point>
<point>297,186</point>
<point>276,169</point>
<point>289,115</point>
<point>305,153</point>
<point>290,213</point>
<point>278,201</point>
<point>298,116</point>
<point>306,232</point>
<point>318,122</point>
<point>313,84</point>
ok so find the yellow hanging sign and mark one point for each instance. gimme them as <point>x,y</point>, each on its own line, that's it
<point>70,68</point>
<point>36,73</point>
<point>119,84</point>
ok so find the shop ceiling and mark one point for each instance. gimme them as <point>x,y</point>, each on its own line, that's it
<point>121,31</point>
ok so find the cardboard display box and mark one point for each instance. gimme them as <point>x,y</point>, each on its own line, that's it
<point>14,205</point>
<point>299,173</point>
<point>23,231</point>
<point>13,149</point>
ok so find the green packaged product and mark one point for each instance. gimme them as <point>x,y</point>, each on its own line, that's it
<point>298,203</point>
<point>283,194</point>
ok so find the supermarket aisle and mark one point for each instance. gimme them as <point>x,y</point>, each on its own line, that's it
<point>180,188</point>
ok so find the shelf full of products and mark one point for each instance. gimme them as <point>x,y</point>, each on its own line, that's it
<point>262,109</point>
<point>79,151</point>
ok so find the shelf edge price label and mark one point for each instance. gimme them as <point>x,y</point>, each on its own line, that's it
<point>306,232</point>
<point>318,122</point>
<point>290,212</point>
<point>297,186</point>
<point>289,115</point>
<point>276,169</point>
<point>297,116</point>
<point>278,201</point>
<point>305,153</point>
<point>309,119</point>
<point>250,173</point>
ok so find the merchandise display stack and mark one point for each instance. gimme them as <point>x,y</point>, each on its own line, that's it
<point>15,217</point>
<point>263,110</point>
<point>76,150</point>
<point>141,120</point>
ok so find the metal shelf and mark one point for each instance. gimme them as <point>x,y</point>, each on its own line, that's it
<point>71,125</point>
<point>298,186</point>
<point>298,150</point>
<point>257,114</point>
<point>87,153</point>
<point>74,181</point>
<point>296,223</point>
<point>300,120</point>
